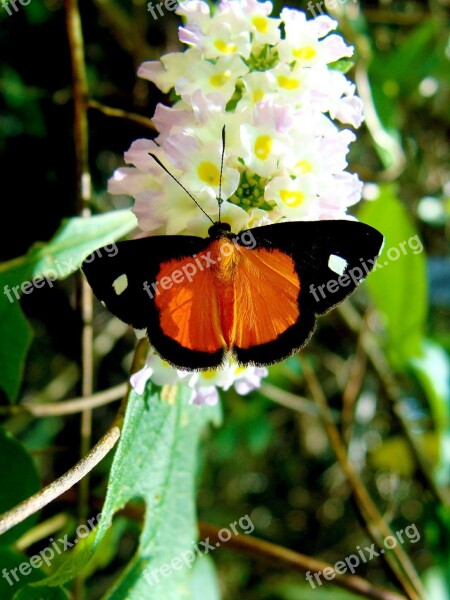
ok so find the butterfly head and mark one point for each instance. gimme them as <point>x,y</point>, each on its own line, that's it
<point>219,230</point>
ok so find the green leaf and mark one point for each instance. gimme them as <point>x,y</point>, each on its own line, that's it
<point>42,593</point>
<point>343,65</point>
<point>15,336</point>
<point>204,581</point>
<point>432,369</point>
<point>156,461</point>
<point>42,265</point>
<point>12,579</point>
<point>19,480</point>
<point>398,285</point>
<point>71,244</point>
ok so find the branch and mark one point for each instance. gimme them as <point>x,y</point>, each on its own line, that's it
<point>268,551</point>
<point>36,502</point>
<point>33,504</point>
<point>67,407</point>
<point>122,114</point>
<point>83,182</point>
<point>387,379</point>
<point>406,575</point>
<point>293,401</point>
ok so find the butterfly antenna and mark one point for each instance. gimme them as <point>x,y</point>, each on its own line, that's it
<point>219,199</point>
<point>155,158</point>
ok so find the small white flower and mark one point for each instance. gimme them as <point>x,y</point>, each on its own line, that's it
<point>295,197</point>
<point>259,86</point>
<point>203,384</point>
<point>219,78</point>
<point>165,73</point>
<point>201,165</point>
<point>266,141</point>
<point>255,17</point>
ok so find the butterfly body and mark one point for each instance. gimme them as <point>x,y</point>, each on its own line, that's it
<point>254,295</point>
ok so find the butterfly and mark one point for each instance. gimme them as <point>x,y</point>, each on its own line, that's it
<point>253,296</point>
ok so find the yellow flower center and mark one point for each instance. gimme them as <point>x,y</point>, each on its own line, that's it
<point>225,48</point>
<point>220,79</point>
<point>263,146</point>
<point>258,95</point>
<point>209,374</point>
<point>304,166</point>
<point>239,370</point>
<point>304,53</point>
<point>288,83</point>
<point>291,198</point>
<point>209,173</point>
<point>261,24</point>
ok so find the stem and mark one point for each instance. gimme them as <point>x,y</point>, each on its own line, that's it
<point>83,183</point>
<point>31,505</point>
<point>36,502</point>
<point>387,379</point>
<point>353,386</point>
<point>122,114</point>
<point>268,551</point>
<point>403,570</point>
<point>41,531</point>
<point>67,407</point>
<point>293,402</point>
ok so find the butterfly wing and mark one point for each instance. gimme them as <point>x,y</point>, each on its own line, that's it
<point>328,258</point>
<point>262,307</point>
<point>179,314</point>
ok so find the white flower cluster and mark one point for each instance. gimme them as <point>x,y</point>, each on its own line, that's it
<point>278,97</point>
<point>273,84</point>
<point>203,384</point>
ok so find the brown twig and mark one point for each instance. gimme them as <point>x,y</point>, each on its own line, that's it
<point>41,531</point>
<point>263,550</point>
<point>268,551</point>
<point>293,401</point>
<point>351,391</point>
<point>33,504</point>
<point>83,183</point>
<point>402,567</point>
<point>387,379</point>
<point>67,407</point>
<point>36,502</point>
<point>122,114</point>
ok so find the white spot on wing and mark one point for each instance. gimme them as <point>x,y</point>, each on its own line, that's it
<point>337,264</point>
<point>120,284</point>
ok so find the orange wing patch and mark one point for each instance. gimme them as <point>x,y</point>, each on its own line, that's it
<point>187,303</point>
<point>228,296</point>
<point>266,291</point>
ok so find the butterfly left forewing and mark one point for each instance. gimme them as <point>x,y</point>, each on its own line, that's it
<point>160,284</point>
<point>186,327</point>
<point>122,275</point>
